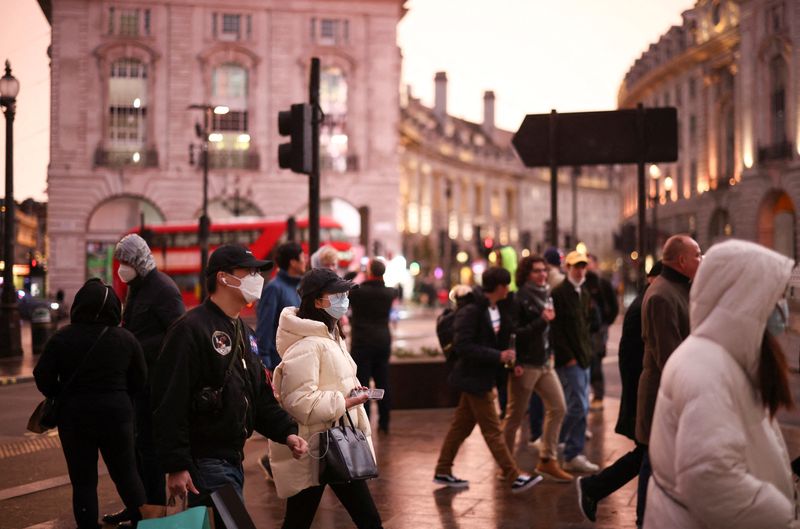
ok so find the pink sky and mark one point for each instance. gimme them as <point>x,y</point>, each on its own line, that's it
<point>570,55</point>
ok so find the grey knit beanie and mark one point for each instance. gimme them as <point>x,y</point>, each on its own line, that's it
<point>133,250</point>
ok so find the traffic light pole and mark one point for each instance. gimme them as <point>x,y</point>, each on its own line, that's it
<point>313,178</point>
<point>640,183</point>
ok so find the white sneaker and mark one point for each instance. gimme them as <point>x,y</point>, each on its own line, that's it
<point>537,445</point>
<point>579,463</point>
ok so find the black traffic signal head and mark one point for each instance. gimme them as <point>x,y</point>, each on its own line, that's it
<point>296,123</point>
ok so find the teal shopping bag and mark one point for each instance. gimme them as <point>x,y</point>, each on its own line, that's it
<point>194,518</point>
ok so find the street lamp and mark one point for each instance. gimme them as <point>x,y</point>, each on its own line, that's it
<point>655,174</point>
<point>204,223</point>
<point>10,339</point>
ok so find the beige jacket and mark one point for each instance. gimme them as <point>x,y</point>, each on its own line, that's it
<point>311,382</point>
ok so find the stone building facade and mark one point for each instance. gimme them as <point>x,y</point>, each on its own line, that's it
<point>125,73</point>
<point>732,69</point>
<point>462,183</point>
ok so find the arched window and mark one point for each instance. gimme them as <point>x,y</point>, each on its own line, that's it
<point>333,132</point>
<point>725,133</point>
<point>777,103</point>
<point>229,89</point>
<point>127,109</point>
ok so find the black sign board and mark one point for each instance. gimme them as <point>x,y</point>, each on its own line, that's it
<point>599,138</point>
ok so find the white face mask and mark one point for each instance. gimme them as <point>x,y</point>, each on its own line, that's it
<point>126,273</point>
<point>249,285</point>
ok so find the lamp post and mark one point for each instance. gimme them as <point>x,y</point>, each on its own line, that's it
<point>655,174</point>
<point>10,339</point>
<point>204,223</point>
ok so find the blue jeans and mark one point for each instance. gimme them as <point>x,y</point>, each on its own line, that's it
<point>575,381</point>
<point>212,474</point>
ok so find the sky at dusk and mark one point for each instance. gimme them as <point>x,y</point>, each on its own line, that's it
<point>536,55</point>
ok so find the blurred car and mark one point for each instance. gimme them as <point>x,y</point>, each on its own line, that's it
<point>28,305</point>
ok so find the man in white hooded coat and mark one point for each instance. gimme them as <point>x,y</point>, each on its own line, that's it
<point>718,457</point>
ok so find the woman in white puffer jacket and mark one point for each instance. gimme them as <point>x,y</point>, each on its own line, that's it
<point>718,457</point>
<point>313,383</point>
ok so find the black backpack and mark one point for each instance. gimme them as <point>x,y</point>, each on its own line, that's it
<point>445,324</point>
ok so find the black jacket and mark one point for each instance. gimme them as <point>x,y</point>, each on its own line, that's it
<point>533,343</point>
<point>153,304</point>
<point>631,353</point>
<point>604,297</point>
<point>569,331</point>
<point>195,355</point>
<point>371,304</point>
<point>115,365</point>
<point>475,345</point>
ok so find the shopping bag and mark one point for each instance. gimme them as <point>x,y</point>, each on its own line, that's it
<point>193,518</point>
<point>231,509</point>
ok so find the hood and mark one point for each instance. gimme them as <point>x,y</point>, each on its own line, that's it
<point>96,302</point>
<point>735,290</point>
<point>133,250</point>
<point>292,329</point>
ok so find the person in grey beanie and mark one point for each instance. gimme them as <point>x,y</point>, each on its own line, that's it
<point>153,303</point>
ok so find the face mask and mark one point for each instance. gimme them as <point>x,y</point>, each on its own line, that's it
<point>250,286</point>
<point>339,305</point>
<point>126,273</point>
<point>779,319</point>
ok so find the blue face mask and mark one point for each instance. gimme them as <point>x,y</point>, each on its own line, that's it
<point>779,319</point>
<point>339,305</point>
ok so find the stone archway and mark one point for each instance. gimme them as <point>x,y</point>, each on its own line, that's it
<point>109,221</point>
<point>720,227</point>
<point>777,223</point>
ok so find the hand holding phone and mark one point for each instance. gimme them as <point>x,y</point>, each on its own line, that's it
<point>374,394</point>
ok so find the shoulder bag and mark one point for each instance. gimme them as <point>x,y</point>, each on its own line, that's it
<point>45,416</point>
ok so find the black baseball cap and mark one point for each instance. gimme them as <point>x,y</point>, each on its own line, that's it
<point>323,280</point>
<point>230,256</point>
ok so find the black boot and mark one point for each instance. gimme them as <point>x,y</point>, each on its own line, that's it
<point>118,517</point>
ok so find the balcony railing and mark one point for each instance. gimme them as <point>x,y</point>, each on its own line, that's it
<point>233,160</point>
<point>105,157</point>
<point>776,151</point>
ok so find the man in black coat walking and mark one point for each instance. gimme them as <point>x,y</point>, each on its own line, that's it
<point>371,339</point>
<point>152,305</point>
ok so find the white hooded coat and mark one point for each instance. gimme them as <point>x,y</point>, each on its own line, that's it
<point>311,382</point>
<point>718,459</point>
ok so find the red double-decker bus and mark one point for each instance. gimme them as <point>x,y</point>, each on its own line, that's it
<point>177,252</point>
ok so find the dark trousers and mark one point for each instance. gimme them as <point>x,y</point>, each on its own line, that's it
<point>641,491</point>
<point>536,416</point>
<point>373,363</point>
<point>99,423</point>
<point>596,378</point>
<point>354,496</point>
<point>146,459</point>
<point>615,476</point>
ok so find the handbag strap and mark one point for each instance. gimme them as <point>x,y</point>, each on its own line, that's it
<point>83,362</point>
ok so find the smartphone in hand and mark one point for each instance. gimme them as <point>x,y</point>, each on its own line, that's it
<point>374,394</point>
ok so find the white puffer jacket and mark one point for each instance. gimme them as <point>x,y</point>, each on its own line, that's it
<point>311,382</point>
<point>718,460</point>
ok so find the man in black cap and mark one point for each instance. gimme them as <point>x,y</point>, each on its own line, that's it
<point>209,388</point>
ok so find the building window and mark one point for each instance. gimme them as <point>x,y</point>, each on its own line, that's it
<point>231,26</point>
<point>692,128</point>
<point>679,182</point>
<point>692,179</point>
<point>774,17</point>
<point>678,96</point>
<point>127,96</point>
<point>128,22</point>
<point>692,87</point>
<point>777,78</point>
<point>330,31</point>
<point>230,138</point>
<point>333,137</point>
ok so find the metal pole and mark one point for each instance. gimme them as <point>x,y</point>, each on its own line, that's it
<point>11,343</point>
<point>204,222</point>
<point>314,177</point>
<point>553,180</point>
<point>655,221</point>
<point>641,192</point>
<point>576,171</point>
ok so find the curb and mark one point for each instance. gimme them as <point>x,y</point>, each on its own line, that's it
<point>11,380</point>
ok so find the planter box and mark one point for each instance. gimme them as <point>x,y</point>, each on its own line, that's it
<point>418,383</point>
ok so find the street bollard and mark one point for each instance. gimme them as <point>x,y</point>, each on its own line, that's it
<point>42,328</point>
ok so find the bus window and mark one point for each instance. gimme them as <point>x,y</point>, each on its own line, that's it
<point>332,234</point>
<point>185,239</point>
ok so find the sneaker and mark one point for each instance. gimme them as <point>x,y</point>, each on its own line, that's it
<point>263,462</point>
<point>579,463</point>
<point>551,470</point>
<point>524,482</point>
<point>450,480</point>
<point>586,504</point>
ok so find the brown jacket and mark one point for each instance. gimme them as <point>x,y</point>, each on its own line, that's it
<point>665,324</point>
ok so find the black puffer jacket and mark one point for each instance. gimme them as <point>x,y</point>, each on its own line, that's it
<point>153,304</point>
<point>371,304</point>
<point>476,346</point>
<point>115,365</point>
<point>533,343</point>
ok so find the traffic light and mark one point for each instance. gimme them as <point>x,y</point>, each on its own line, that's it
<point>296,123</point>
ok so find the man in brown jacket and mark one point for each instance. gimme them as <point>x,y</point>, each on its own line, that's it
<point>665,324</point>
